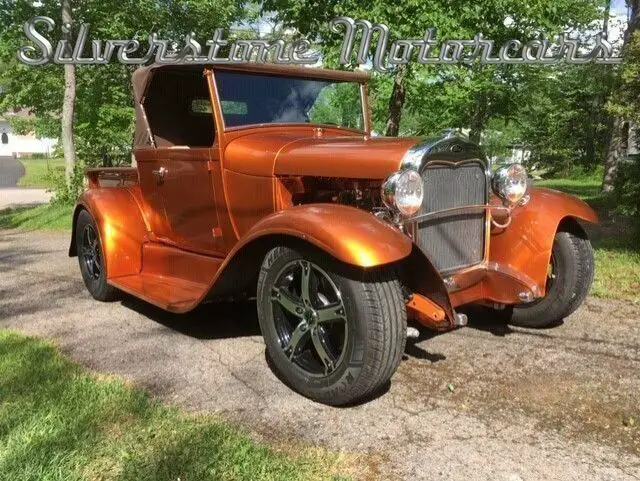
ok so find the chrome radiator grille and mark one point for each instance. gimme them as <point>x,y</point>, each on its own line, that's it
<point>457,240</point>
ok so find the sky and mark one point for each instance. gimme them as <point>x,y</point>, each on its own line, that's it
<point>618,23</point>
<point>619,8</point>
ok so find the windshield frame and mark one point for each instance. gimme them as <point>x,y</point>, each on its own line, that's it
<point>217,103</point>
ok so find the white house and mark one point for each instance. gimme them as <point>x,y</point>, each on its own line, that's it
<point>12,144</point>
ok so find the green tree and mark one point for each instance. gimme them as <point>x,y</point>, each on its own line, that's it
<point>103,103</point>
<point>477,93</point>
<point>623,102</point>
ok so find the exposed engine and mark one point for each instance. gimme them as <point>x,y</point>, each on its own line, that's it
<point>363,194</point>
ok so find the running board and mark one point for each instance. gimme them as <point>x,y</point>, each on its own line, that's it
<point>169,293</point>
<point>172,279</point>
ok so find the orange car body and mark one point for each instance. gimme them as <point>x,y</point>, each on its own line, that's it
<point>192,224</point>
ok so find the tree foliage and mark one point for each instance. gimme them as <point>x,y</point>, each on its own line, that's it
<point>561,114</point>
<point>104,103</point>
<point>446,96</point>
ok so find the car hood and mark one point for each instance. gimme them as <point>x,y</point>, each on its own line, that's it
<point>282,153</point>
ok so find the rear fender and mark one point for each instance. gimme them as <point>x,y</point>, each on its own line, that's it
<point>121,228</point>
<point>526,244</point>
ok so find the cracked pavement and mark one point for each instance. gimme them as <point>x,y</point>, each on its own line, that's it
<point>526,404</point>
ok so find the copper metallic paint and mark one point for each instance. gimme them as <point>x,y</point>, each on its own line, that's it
<point>354,157</point>
<point>426,312</point>
<point>350,235</point>
<point>525,246</point>
<point>219,208</point>
<point>121,228</point>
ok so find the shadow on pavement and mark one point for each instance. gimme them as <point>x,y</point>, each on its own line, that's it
<point>208,321</point>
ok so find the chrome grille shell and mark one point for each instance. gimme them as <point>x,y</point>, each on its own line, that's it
<point>455,240</point>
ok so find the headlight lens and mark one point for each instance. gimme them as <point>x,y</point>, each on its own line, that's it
<point>510,183</point>
<point>403,192</point>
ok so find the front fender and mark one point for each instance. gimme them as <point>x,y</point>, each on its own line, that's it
<point>351,235</point>
<point>121,228</point>
<point>527,243</point>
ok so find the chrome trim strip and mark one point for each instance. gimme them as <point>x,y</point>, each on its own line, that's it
<point>448,144</point>
<point>463,209</point>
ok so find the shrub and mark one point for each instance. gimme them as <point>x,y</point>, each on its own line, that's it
<point>67,194</point>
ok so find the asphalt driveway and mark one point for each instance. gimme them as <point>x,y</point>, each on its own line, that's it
<point>481,403</point>
<point>10,171</point>
<point>11,196</point>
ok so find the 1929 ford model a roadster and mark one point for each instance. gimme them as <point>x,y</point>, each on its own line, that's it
<point>265,180</point>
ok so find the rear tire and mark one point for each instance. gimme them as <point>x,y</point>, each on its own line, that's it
<point>91,259</point>
<point>572,271</point>
<point>343,360</point>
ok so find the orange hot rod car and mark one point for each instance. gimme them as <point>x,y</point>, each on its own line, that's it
<point>264,180</point>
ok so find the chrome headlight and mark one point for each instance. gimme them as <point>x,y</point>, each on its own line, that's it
<point>510,183</point>
<point>402,192</point>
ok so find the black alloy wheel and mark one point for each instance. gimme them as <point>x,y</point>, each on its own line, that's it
<point>91,258</point>
<point>310,317</point>
<point>335,333</point>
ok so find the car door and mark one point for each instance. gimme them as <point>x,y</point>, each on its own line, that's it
<point>177,180</point>
<point>149,171</point>
<point>187,191</point>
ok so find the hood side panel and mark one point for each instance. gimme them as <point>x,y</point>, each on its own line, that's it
<point>348,157</point>
<point>301,152</point>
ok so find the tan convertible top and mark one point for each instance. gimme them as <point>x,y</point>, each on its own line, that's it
<point>142,77</point>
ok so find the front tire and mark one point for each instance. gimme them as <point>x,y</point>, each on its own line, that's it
<point>334,334</point>
<point>91,259</point>
<point>571,274</point>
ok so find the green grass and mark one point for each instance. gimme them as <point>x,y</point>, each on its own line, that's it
<point>47,216</point>
<point>59,422</point>
<point>617,268</point>
<point>38,172</point>
<point>585,185</point>
<point>617,251</point>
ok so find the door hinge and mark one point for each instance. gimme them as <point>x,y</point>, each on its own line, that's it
<point>217,232</point>
<point>210,165</point>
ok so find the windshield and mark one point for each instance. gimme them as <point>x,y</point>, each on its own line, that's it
<point>250,98</point>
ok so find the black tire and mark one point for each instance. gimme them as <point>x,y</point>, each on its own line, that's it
<point>572,271</point>
<point>91,259</point>
<point>370,338</point>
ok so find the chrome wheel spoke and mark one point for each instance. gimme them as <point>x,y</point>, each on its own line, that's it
<point>288,303</point>
<point>319,343</point>
<point>305,276</point>
<point>331,313</point>
<point>297,337</point>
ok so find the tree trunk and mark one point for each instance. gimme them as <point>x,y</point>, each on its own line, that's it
<point>614,149</point>
<point>396,102</point>
<point>613,155</point>
<point>478,119</point>
<point>68,104</point>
